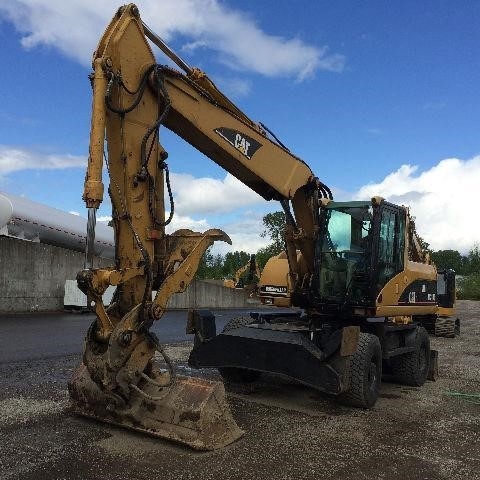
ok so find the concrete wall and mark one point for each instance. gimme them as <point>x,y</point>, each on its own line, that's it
<point>209,295</point>
<point>32,275</point>
<point>32,278</point>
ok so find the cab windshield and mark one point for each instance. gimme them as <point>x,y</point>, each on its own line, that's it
<point>345,251</point>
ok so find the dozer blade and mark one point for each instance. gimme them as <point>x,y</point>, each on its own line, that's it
<point>192,411</point>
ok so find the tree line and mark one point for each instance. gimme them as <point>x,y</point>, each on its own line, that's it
<point>462,264</point>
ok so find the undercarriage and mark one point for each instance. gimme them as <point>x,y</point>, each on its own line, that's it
<point>323,353</point>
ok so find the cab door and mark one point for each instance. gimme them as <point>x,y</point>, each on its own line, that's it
<point>390,244</point>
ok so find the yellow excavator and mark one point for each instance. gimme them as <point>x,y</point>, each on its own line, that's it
<point>246,277</point>
<point>360,304</point>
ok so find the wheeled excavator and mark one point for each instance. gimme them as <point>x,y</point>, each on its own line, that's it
<point>357,305</point>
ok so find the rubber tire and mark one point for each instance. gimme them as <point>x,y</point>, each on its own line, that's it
<point>447,327</point>
<point>232,374</point>
<point>365,373</point>
<point>412,368</point>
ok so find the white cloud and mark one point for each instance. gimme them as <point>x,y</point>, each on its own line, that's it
<point>443,199</point>
<point>184,221</point>
<point>13,159</point>
<point>193,196</point>
<point>244,233</point>
<point>74,27</point>
<point>209,195</point>
<point>178,222</point>
<point>244,230</point>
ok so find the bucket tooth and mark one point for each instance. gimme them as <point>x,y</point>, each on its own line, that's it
<point>191,411</point>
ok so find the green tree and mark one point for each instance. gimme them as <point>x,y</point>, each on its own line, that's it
<point>216,268</point>
<point>423,244</point>
<point>466,266</point>
<point>469,287</point>
<point>449,259</point>
<point>473,260</point>
<point>274,224</point>
<point>233,261</point>
<point>264,254</point>
<point>210,266</point>
<point>206,259</point>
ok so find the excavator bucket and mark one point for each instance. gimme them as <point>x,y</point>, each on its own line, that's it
<point>191,411</point>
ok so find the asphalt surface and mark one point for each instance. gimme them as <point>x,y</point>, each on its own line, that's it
<point>48,335</point>
<point>292,432</point>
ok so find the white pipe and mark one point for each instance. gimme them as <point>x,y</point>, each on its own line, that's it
<point>6,210</point>
<point>22,218</point>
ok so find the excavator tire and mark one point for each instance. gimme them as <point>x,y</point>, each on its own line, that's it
<point>233,374</point>
<point>412,368</point>
<point>447,327</point>
<point>365,373</point>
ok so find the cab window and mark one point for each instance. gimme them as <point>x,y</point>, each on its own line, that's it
<point>390,245</point>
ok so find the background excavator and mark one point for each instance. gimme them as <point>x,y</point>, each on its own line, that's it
<point>360,305</point>
<point>247,276</point>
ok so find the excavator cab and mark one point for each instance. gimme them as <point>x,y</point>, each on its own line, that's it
<point>344,253</point>
<point>360,248</point>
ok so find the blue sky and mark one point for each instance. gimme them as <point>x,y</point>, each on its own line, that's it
<point>356,89</point>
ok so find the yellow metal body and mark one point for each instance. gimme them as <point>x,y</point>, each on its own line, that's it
<point>275,284</point>
<point>417,266</point>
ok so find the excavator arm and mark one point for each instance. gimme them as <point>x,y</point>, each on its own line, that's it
<point>132,97</point>
<point>120,380</point>
<point>191,105</point>
<point>129,112</point>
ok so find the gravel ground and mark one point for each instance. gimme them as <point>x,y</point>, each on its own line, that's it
<point>292,432</point>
